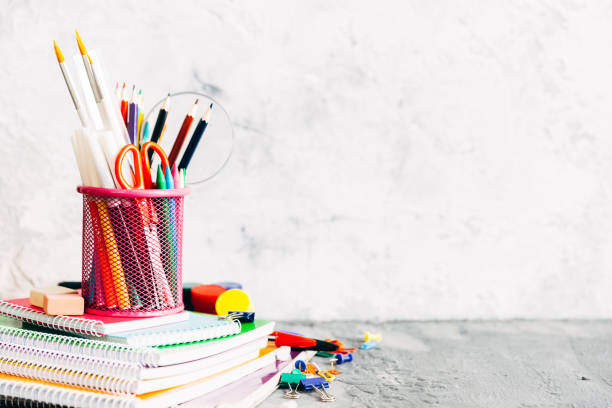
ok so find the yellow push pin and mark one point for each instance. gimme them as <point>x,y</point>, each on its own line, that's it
<point>370,336</point>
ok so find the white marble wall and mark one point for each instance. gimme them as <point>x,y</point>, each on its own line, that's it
<point>410,159</point>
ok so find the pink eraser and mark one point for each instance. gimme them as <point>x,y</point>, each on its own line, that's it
<point>62,304</point>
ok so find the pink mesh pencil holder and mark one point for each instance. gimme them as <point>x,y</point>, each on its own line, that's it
<point>132,251</point>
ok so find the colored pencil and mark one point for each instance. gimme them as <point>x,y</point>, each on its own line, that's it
<point>160,123</point>
<point>195,138</point>
<point>124,105</point>
<point>182,135</point>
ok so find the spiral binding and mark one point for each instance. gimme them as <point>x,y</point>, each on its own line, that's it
<point>107,368</point>
<point>71,324</point>
<point>211,331</point>
<point>75,377</point>
<point>74,345</point>
<point>23,394</point>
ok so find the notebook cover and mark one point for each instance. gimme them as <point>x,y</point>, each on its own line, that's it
<point>198,327</point>
<point>82,324</point>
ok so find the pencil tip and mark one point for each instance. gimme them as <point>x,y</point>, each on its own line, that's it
<point>211,106</point>
<point>124,84</point>
<point>197,100</point>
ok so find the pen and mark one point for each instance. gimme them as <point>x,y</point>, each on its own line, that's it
<point>180,138</point>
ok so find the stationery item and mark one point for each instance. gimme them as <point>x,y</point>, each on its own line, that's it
<point>197,327</point>
<point>146,133</point>
<point>160,122</point>
<point>371,336</point>
<point>195,138</point>
<point>251,390</point>
<point>182,171</point>
<point>70,84</point>
<point>37,294</point>
<point>319,384</point>
<point>124,105</point>
<point>161,179</point>
<point>229,285</point>
<point>342,358</point>
<point>369,345</point>
<point>55,304</point>
<point>182,135</point>
<point>175,176</point>
<point>305,343</point>
<point>216,299</point>
<point>11,332</point>
<point>85,324</point>
<point>187,286</point>
<point>140,117</point>
<point>132,117</point>
<point>243,317</point>
<point>146,219</point>
<point>85,376</point>
<point>43,392</point>
<point>69,284</point>
<point>125,370</point>
<point>88,69</point>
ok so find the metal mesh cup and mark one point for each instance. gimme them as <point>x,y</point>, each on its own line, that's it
<point>132,251</point>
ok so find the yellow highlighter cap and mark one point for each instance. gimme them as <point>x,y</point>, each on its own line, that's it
<point>233,300</point>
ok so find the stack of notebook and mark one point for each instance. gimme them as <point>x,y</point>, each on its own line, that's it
<point>90,361</point>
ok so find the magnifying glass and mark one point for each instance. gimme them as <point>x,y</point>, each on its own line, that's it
<point>216,145</point>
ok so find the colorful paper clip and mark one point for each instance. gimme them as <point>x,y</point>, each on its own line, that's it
<point>326,375</point>
<point>319,384</point>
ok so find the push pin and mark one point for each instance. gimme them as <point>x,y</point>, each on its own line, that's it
<point>318,384</point>
<point>332,370</point>
<point>370,336</point>
<point>369,345</point>
<point>341,358</point>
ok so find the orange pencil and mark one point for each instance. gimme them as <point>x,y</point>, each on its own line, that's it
<point>182,135</point>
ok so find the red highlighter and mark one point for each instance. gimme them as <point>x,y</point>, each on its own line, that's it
<point>305,343</point>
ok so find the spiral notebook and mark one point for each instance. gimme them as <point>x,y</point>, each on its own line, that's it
<point>12,332</point>
<point>16,390</point>
<point>86,324</point>
<point>251,390</point>
<point>32,362</point>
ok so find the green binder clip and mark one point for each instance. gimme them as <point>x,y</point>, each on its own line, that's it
<point>293,378</point>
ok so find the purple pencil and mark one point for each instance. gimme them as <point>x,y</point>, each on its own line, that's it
<point>132,116</point>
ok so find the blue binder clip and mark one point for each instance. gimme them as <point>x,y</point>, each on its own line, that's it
<point>242,317</point>
<point>319,384</point>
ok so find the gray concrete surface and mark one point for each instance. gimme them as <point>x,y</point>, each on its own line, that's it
<point>469,364</point>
